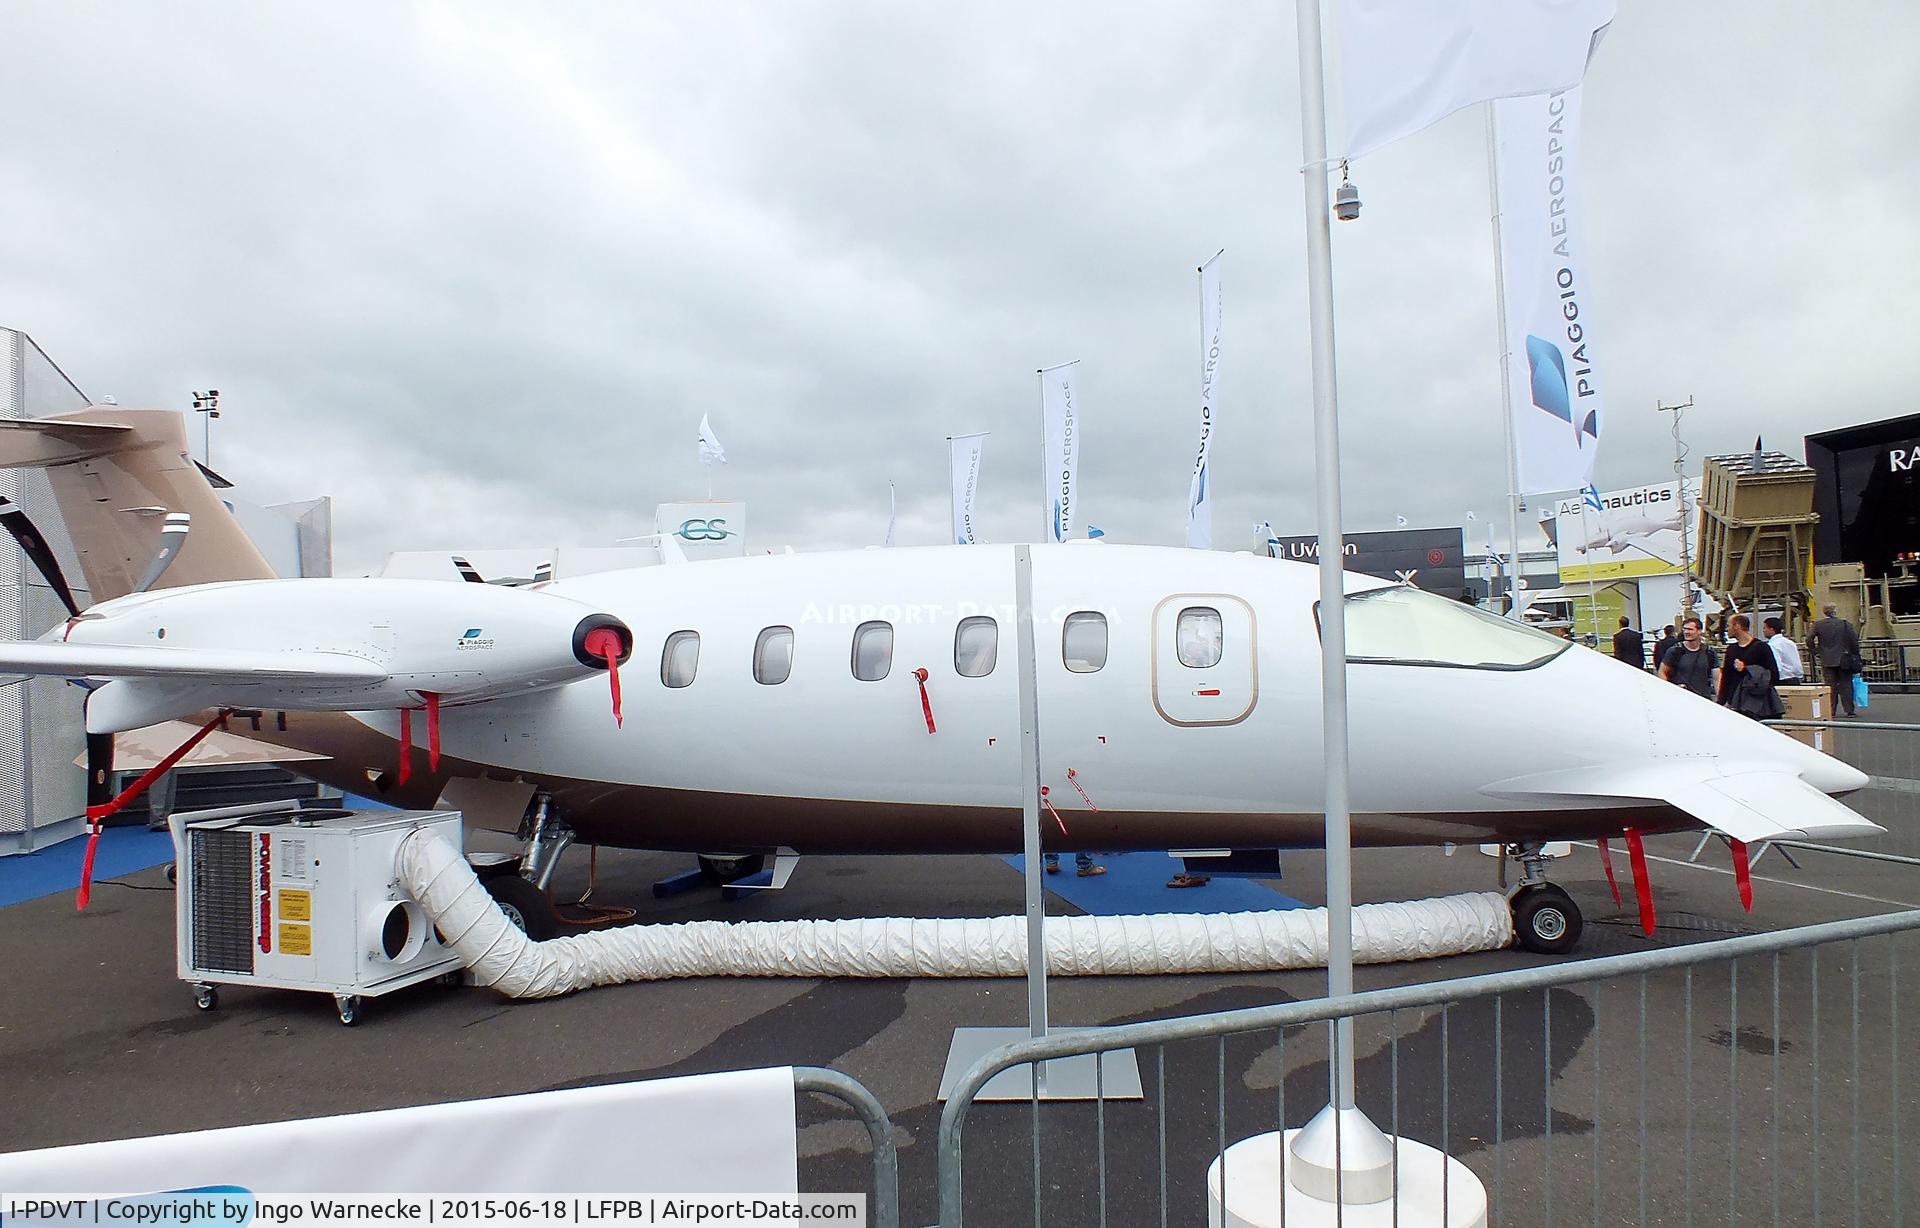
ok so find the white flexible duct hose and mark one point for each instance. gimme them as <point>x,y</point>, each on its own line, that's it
<point>499,955</point>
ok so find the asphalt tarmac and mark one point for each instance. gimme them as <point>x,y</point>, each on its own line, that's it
<point>1540,1095</point>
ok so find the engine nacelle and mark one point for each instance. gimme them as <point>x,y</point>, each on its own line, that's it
<point>371,644</point>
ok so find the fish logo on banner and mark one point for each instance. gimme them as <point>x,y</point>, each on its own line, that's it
<point>1556,410</point>
<point>1060,459</point>
<point>1199,487</point>
<point>963,465</point>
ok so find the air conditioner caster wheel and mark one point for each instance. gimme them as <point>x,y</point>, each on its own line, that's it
<point>348,1005</point>
<point>206,997</point>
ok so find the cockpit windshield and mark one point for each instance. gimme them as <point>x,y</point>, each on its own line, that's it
<point>1404,626</point>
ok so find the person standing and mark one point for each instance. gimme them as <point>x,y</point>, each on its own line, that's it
<point>1629,645</point>
<point>1786,653</point>
<point>1835,644</point>
<point>1083,864</point>
<point>1660,646</point>
<point>1692,663</point>
<point>1746,684</point>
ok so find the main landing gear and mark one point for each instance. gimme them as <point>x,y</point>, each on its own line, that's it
<point>519,885</point>
<point>1545,918</point>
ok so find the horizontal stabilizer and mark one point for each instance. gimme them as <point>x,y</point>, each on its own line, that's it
<point>33,442</point>
<point>1750,802</point>
<point>212,666</point>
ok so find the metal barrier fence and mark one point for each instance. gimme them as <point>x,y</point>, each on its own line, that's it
<point>1752,1080</point>
<point>1889,753</point>
<point>1890,660</point>
<point>886,1159</point>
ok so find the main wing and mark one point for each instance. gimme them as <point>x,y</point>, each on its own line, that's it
<point>201,665</point>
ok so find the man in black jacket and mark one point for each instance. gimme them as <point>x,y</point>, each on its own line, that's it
<point>1629,646</point>
<point>1835,644</point>
<point>1660,646</point>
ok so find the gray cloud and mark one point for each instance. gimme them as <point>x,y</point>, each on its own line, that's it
<point>477,270</point>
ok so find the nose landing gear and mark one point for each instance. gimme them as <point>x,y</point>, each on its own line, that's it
<point>1546,921</point>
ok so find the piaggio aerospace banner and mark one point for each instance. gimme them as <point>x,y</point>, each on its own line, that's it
<point>1556,403</point>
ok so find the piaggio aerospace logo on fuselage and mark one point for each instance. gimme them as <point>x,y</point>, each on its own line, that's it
<point>472,640</point>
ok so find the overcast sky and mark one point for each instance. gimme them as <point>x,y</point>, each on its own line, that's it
<point>477,270</point>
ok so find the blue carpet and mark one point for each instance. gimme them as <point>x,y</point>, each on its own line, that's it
<point>1136,884</point>
<point>50,871</point>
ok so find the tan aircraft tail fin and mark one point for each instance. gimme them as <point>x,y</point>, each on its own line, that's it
<point>116,475</point>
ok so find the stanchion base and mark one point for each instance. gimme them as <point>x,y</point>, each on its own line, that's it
<point>1435,1191</point>
<point>1117,1076</point>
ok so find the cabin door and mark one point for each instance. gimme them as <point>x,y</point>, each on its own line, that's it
<point>1205,659</point>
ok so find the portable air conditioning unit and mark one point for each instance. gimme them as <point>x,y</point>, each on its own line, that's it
<point>284,898</point>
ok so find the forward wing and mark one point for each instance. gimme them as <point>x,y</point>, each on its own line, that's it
<point>1751,802</point>
<point>186,665</point>
<point>1755,806</point>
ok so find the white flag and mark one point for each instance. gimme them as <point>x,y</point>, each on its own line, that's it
<point>710,449</point>
<point>1200,484</point>
<point>963,462</point>
<point>1409,63</point>
<point>893,514</point>
<point>1556,402</point>
<point>1060,450</point>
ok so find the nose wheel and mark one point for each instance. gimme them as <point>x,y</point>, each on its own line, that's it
<point>1546,921</point>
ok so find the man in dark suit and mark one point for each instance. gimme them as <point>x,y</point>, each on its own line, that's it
<point>1835,644</point>
<point>1629,646</point>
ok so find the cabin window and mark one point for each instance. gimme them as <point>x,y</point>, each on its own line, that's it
<point>1198,637</point>
<point>680,658</point>
<point>1404,626</point>
<point>872,651</point>
<point>1083,642</point>
<point>773,656</point>
<point>976,647</point>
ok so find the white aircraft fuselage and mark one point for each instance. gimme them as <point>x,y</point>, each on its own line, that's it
<point>1171,755</point>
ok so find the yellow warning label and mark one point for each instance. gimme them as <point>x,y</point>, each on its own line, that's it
<point>296,939</point>
<point>296,906</point>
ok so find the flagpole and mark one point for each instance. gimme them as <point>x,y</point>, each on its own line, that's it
<point>1333,632</point>
<point>1046,521</point>
<point>950,504</point>
<point>1506,372</point>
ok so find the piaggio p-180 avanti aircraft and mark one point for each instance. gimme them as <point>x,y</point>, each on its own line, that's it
<point>862,702</point>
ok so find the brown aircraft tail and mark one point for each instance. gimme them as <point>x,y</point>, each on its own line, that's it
<point>116,474</point>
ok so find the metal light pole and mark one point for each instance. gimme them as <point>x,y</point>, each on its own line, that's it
<point>207,403</point>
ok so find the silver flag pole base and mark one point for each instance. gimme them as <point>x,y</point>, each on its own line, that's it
<point>1295,1179</point>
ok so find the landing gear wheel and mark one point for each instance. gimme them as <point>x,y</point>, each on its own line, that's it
<point>525,905</point>
<point>1546,921</point>
<point>205,997</point>
<point>349,1007</point>
<point>723,870</point>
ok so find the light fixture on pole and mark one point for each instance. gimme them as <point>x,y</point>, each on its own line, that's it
<point>1346,201</point>
<point>207,403</point>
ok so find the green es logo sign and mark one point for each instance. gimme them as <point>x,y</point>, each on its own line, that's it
<point>705,530</point>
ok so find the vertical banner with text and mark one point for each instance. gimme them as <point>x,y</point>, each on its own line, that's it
<point>1060,450</point>
<point>1200,485</point>
<point>1556,405</point>
<point>963,463</point>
